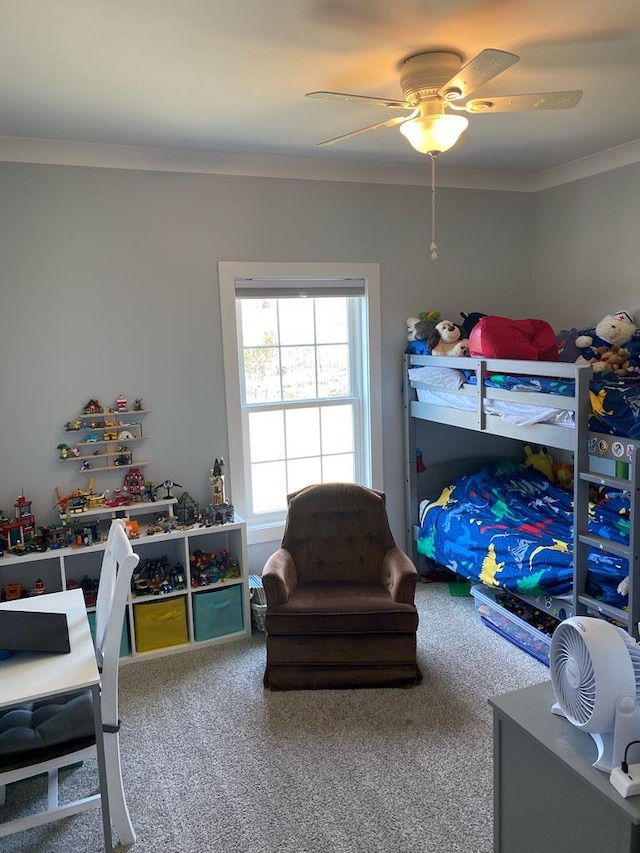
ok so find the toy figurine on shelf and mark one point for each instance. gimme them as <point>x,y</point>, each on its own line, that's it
<point>223,513</point>
<point>16,534</point>
<point>187,509</point>
<point>63,451</point>
<point>133,484</point>
<point>148,493</point>
<point>93,407</point>
<point>121,403</point>
<point>12,591</point>
<point>137,406</point>
<point>168,485</point>
<point>216,482</point>
<point>125,457</point>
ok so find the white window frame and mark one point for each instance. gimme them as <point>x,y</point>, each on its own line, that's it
<point>228,272</point>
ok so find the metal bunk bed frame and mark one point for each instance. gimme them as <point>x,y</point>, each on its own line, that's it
<point>583,444</point>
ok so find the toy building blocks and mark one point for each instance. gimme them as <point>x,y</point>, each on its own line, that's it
<point>92,407</point>
<point>12,591</point>
<point>133,484</point>
<point>216,483</point>
<point>223,513</point>
<point>168,485</point>
<point>17,533</point>
<point>187,509</point>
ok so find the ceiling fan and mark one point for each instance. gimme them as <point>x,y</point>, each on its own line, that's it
<point>436,87</point>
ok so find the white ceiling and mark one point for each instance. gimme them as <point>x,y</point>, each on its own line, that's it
<point>230,75</point>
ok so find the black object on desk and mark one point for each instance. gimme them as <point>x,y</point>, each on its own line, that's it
<point>27,631</point>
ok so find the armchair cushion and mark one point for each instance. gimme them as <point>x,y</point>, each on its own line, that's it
<point>329,607</point>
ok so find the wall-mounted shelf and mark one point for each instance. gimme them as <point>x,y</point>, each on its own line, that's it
<point>110,432</point>
<point>93,469</point>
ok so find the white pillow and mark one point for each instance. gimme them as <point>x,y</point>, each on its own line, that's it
<point>442,377</point>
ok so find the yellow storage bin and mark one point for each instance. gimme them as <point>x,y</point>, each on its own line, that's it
<point>160,624</point>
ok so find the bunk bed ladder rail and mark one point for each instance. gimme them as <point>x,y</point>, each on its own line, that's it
<point>583,602</point>
<point>409,442</point>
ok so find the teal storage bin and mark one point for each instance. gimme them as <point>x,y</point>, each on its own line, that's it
<point>125,645</point>
<point>218,612</point>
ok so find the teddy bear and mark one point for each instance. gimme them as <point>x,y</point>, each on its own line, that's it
<point>606,350</point>
<point>446,339</point>
<point>613,359</point>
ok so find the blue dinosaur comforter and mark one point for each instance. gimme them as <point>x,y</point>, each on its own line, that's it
<point>615,406</point>
<point>508,526</point>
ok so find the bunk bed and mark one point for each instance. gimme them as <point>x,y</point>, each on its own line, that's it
<point>565,545</point>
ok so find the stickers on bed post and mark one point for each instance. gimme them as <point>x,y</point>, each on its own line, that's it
<point>614,449</point>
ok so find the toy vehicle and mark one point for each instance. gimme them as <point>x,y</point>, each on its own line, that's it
<point>77,504</point>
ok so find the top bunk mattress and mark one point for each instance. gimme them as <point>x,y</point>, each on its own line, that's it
<point>614,402</point>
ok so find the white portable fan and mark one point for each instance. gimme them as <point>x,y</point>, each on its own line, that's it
<point>595,672</point>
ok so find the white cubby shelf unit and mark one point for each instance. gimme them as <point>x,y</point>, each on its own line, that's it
<point>213,613</point>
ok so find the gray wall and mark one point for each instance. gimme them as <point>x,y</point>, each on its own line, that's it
<point>109,285</point>
<point>586,248</point>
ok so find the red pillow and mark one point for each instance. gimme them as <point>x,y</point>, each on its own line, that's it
<point>500,337</point>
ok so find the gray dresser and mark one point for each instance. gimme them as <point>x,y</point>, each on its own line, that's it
<point>547,796</point>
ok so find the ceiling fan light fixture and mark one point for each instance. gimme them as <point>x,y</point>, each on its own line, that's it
<point>433,134</point>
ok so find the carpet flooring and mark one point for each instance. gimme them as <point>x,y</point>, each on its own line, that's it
<point>213,763</point>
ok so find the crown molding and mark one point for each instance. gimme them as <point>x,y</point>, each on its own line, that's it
<point>605,161</point>
<point>148,158</point>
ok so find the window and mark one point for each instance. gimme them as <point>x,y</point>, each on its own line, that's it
<point>301,349</point>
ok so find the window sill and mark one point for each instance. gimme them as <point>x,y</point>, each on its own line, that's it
<point>259,533</point>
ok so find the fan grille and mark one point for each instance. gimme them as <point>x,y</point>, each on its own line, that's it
<point>573,676</point>
<point>574,673</point>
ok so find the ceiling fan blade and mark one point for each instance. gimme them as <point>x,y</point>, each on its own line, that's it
<point>482,68</point>
<point>516,103</point>
<point>363,99</point>
<point>388,123</point>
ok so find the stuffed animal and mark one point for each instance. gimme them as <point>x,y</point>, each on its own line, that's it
<point>541,461</point>
<point>563,475</point>
<point>446,339</point>
<point>613,359</point>
<point>614,330</point>
<point>419,328</point>
<point>469,321</point>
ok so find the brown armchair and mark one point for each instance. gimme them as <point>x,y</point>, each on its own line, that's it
<point>340,595</point>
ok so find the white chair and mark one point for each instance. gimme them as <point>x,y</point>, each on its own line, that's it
<point>60,731</point>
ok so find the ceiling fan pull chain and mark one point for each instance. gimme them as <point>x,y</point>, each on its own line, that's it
<point>433,247</point>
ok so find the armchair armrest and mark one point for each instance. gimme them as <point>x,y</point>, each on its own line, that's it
<point>279,577</point>
<point>399,575</point>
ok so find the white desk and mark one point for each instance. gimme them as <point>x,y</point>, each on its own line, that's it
<point>28,676</point>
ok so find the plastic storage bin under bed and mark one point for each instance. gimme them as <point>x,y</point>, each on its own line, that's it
<point>496,609</point>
